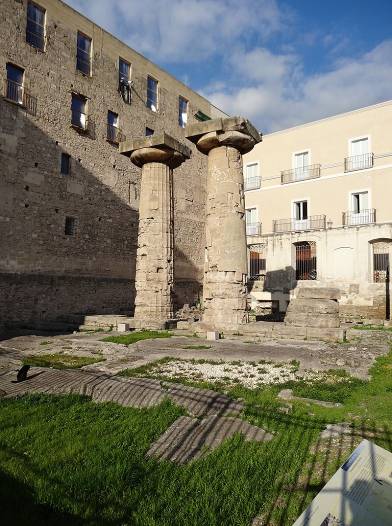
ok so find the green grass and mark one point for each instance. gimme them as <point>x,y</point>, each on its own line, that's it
<point>45,342</point>
<point>197,347</point>
<point>372,328</point>
<point>133,337</point>
<point>66,460</point>
<point>60,361</point>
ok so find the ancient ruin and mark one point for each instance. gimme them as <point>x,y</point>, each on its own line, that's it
<point>225,273</point>
<point>157,156</point>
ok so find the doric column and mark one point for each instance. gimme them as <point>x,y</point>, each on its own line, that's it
<point>157,156</point>
<point>225,273</point>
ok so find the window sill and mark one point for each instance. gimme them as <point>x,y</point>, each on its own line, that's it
<point>86,75</point>
<point>15,103</point>
<point>79,128</point>
<point>40,50</point>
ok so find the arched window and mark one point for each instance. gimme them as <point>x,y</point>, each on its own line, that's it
<point>305,260</point>
<point>382,252</point>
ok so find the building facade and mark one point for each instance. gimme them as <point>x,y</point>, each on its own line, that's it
<point>319,212</point>
<point>69,200</point>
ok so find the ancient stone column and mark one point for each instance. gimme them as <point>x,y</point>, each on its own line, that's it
<point>157,156</point>
<point>225,273</point>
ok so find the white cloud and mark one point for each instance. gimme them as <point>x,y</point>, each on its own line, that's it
<point>184,30</point>
<point>291,98</point>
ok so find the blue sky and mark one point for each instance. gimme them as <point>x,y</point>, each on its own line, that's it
<point>279,63</point>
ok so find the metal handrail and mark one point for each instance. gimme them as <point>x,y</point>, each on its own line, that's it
<point>253,229</point>
<point>363,217</point>
<point>252,183</point>
<point>16,92</point>
<point>317,222</point>
<point>359,162</point>
<point>312,171</point>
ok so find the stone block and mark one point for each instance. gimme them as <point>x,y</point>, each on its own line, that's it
<point>123,327</point>
<point>326,334</point>
<point>213,335</point>
<point>326,293</point>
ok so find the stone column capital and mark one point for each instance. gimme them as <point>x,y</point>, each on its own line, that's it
<point>161,148</point>
<point>233,131</point>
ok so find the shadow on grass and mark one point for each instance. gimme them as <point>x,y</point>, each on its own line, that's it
<point>19,507</point>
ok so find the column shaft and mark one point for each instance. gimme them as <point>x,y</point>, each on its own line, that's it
<point>154,262</point>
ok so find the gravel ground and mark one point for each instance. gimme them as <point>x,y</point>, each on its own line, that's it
<point>250,375</point>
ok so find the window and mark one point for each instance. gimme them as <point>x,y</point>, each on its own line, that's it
<point>360,212</point>
<point>360,202</point>
<point>124,72</point>
<point>70,226</point>
<point>382,251</point>
<point>152,94</point>
<point>83,56</point>
<point>35,26</point>
<point>300,215</point>
<point>301,210</point>
<point>252,178</point>
<point>305,260</point>
<point>252,224</point>
<point>79,115</point>
<point>301,165</point>
<point>65,168</point>
<point>257,264</point>
<point>182,112</point>
<point>113,131</point>
<point>149,132</point>
<point>15,77</point>
<point>200,116</point>
<point>360,157</point>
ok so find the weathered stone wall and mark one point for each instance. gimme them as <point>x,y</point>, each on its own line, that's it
<point>102,191</point>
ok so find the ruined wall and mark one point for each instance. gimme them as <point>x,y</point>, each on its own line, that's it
<point>93,270</point>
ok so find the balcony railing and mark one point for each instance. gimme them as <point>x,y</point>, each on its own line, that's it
<point>252,183</point>
<point>35,34</point>
<point>358,162</point>
<point>17,93</point>
<point>253,229</point>
<point>79,120</point>
<point>298,225</point>
<point>364,217</point>
<point>114,134</point>
<point>300,174</point>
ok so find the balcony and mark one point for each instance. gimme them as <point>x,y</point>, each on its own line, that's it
<point>17,93</point>
<point>114,134</point>
<point>253,229</point>
<point>252,183</point>
<point>358,162</point>
<point>300,174</point>
<point>298,225</point>
<point>364,217</point>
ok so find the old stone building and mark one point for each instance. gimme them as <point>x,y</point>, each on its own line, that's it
<point>319,213</point>
<point>69,200</point>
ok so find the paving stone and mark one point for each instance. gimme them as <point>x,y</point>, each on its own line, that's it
<point>201,402</point>
<point>336,430</point>
<point>189,438</point>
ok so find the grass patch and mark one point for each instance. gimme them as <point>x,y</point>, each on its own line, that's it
<point>372,328</point>
<point>197,347</point>
<point>133,337</point>
<point>60,361</point>
<point>45,342</point>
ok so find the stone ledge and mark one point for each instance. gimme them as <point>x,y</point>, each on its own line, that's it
<point>154,141</point>
<point>197,130</point>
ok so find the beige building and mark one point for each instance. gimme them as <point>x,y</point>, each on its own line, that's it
<point>69,202</point>
<point>319,211</point>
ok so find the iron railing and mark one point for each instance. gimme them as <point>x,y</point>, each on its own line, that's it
<point>311,171</point>
<point>79,120</point>
<point>17,93</point>
<point>252,183</point>
<point>358,162</point>
<point>253,229</point>
<point>35,34</point>
<point>364,217</point>
<point>83,61</point>
<point>298,225</point>
<point>114,134</point>
<point>305,261</point>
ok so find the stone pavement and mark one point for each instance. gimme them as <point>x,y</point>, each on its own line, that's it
<point>187,439</point>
